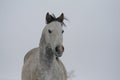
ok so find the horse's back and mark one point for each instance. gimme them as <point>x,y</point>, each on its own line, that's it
<point>31,52</point>
<point>30,64</point>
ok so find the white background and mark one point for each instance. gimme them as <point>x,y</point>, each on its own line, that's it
<point>91,38</point>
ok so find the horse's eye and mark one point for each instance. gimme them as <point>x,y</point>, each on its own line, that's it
<point>62,31</point>
<point>49,31</point>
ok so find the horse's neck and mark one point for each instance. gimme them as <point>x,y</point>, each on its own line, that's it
<point>47,57</point>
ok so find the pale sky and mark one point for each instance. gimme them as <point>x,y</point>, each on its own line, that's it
<point>91,38</point>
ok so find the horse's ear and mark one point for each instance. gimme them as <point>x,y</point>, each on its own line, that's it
<point>48,18</point>
<point>60,18</point>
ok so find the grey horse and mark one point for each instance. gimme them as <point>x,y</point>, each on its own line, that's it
<point>43,62</point>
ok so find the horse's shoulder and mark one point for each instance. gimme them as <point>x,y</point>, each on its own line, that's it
<point>31,52</point>
<point>63,68</point>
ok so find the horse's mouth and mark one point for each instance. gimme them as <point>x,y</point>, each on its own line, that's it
<point>58,54</point>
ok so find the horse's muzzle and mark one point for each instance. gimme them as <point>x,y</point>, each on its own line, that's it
<point>59,50</point>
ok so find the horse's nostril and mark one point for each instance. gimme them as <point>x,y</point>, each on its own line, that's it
<point>59,49</point>
<point>63,48</point>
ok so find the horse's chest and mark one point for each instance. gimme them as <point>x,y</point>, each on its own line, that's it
<point>54,75</point>
<point>55,72</point>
